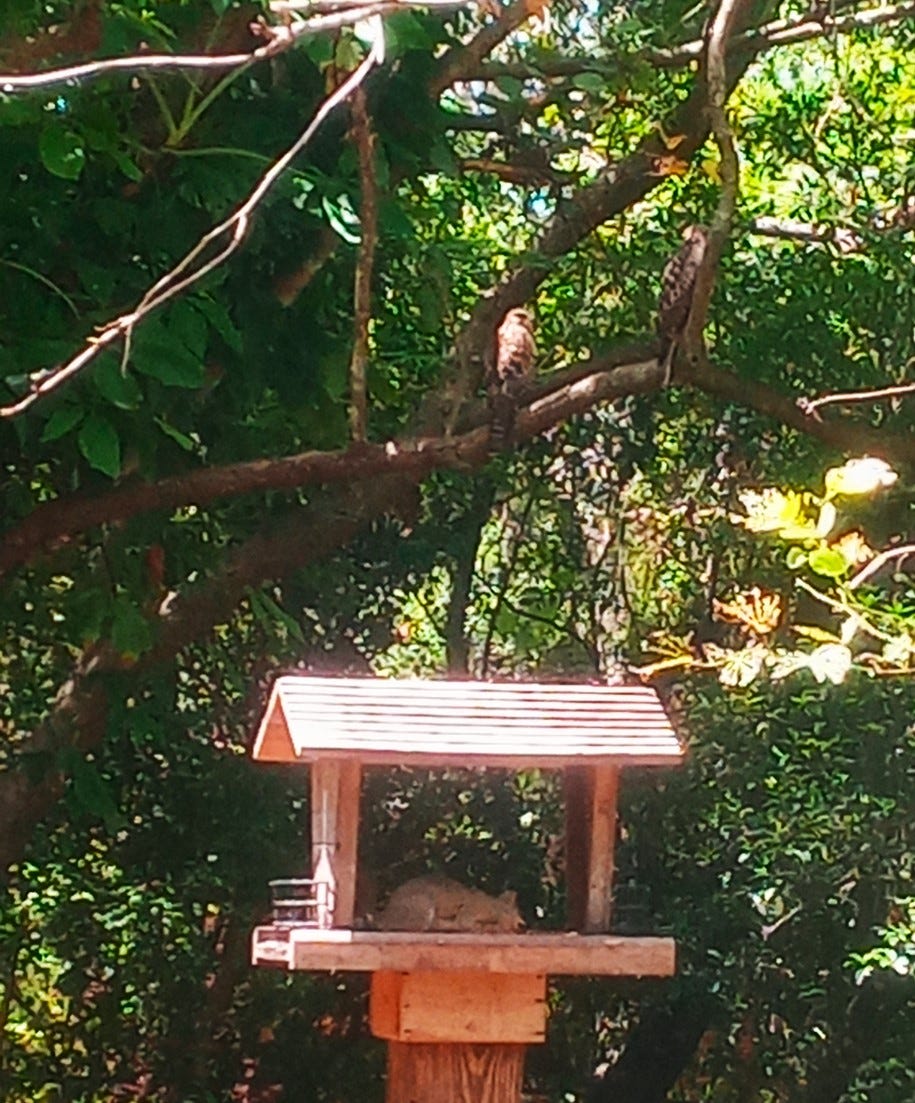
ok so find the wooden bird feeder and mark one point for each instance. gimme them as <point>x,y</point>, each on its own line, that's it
<point>457,1010</point>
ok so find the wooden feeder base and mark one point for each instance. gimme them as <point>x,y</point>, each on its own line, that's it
<point>441,1073</point>
<point>458,1007</point>
<point>456,1037</point>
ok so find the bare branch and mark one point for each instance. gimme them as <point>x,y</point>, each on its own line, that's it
<point>719,34</point>
<point>811,405</point>
<point>278,39</point>
<point>780,32</point>
<point>362,293</point>
<point>175,282</point>
<point>847,239</point>
<point>843,435</point>
<point>887,556</point>
<point>843,238</point>
<point>452,65</point>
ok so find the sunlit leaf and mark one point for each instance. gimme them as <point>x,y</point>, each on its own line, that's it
<point>828,562</point>
<point>830,663</point>
<point>859,476</point>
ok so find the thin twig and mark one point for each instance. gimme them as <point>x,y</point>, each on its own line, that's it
<point>175,281</point>
<point>362,292</point>
<point>279,39</point>
<point>843,607</point>
<point>811,405</point>
<point>877,562</point>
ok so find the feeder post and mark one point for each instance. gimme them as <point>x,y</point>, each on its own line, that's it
<point>454,1073</point>
<point>335,786</point>
<point>590,803</point>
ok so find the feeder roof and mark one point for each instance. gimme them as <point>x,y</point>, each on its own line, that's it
<point>389,722</point>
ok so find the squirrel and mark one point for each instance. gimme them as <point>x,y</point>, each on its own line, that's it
<point>440,904</point>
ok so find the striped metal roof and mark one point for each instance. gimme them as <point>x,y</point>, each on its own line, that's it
<point>411,722</point>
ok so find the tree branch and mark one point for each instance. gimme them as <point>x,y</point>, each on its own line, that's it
<point>780,32</point>
<point>861,439</point>
<point>176,282</point>
<point>456,60</point>
<point>279,38</point>
<point>555,399</point>
<point>362,293</point>
<point>464,551</point>
<point>812,405</point>
<point>847,239</point>
<point>723,25</point>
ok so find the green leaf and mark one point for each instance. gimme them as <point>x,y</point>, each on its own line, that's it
<point>510,86</point>
<point>189,326</point>
<point>589,82</point>
<point>127,165</point>
<point>405,31</point>
<point>828,562</point>
<point>169,361</point>
<point>61,151</point>
<point>181,439</point>
<point>98,441</point>
<point>796,559</point>
<point>131,634</point>
<point>218,317</point>
<point>114,385</point>
<point>268,612</point>
<point>62,421</point>
<point>91,793</point>
<point>343,218</point>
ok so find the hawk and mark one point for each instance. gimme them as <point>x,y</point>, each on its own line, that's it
<point>677,286</point>
<point>513,368</point>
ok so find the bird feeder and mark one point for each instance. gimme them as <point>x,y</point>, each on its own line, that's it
<point>458,1009</point>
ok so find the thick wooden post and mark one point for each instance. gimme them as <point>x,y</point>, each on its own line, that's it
<point>601,845</point>
<point>335,788</point>
<point>457,1037</point>
<point>590,799</point>
<point>454,1073</point>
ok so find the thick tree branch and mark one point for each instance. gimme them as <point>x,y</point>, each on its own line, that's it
<point>555,399</point>
<point>364,139</point>
<point>721,28</point>
<point>780,32</point>
<point>77,718</point>
<point>310,534</point>
<point>842,435</point>
<point>461,58</point>
<point>626,370</point>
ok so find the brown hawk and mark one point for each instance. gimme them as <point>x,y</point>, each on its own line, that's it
<point>513,368</point>
<point>677,286</point>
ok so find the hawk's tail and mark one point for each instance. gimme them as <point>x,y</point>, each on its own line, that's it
<point>501,423</point>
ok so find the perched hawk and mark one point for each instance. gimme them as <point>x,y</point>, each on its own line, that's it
<point>513,367</point>
<point>677,286</point>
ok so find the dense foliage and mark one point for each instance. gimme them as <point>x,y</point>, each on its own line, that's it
<point>188,514</point>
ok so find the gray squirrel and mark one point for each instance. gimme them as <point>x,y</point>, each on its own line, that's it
<point>435,903</point>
